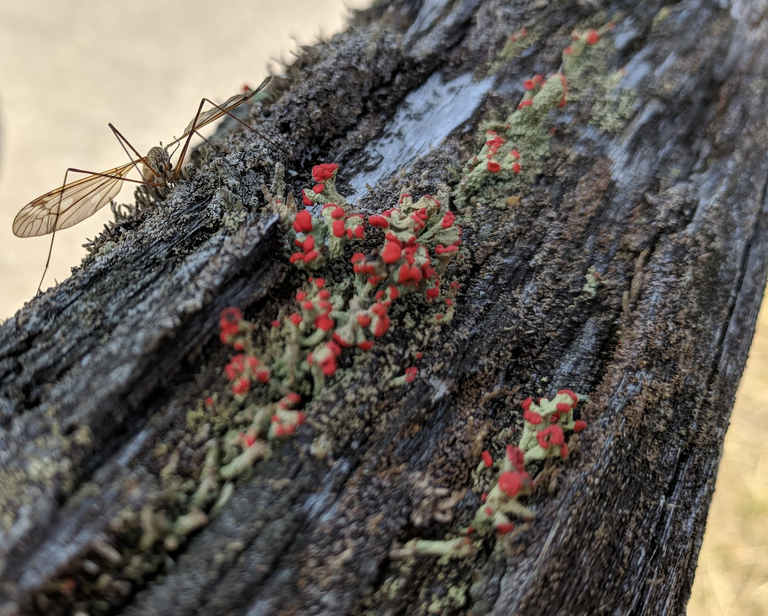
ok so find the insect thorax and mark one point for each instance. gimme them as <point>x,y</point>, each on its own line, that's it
<point>158,169</point>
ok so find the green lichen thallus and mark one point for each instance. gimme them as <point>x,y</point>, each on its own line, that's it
<point>75,201</point>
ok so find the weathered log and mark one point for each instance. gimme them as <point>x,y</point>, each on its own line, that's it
<point>658,205</point>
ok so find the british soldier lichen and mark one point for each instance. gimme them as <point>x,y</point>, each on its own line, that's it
<point>545,424</point>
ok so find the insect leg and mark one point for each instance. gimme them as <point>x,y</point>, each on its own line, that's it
<point>248,126</point>
<point>58,211</point>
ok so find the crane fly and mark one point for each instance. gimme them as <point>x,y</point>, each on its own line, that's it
<point>75,201</point>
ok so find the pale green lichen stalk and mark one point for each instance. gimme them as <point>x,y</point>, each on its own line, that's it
<point>516,148</point>
<point>543,438</point>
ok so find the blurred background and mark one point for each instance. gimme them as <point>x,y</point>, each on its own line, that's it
<point>69,68</point>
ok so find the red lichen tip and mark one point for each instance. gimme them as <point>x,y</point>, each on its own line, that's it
<point>493,166</point>
<point>487,459</point>
<point>241,386</point>
<point>303,222</point>
<point>503,529</point>
<point>323,172</point>
<point>229,321</point>
<point>593,37</point>
<point>570,394</point>
<point>511,483</point>
<point>532,417</point>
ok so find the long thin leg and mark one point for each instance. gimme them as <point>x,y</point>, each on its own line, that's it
<point>139,158</point>
<point>58,211</point>
<point>234,117</point>
<point>248,126</point>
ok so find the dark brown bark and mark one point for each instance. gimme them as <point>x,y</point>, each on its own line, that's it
<point>98,374</point>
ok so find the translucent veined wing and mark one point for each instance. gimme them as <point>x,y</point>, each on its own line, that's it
<point>74,202</point>
<point>211,115</point>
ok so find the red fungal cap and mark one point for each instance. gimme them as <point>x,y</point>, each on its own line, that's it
<point>307,305</point>
<point>378,221</point>
<point>303,222</point>
<point>487,459</point>
<point>563,407</point>
<point>569,393</point>
<point>515,154</point>
<point>408,274</point>
<point>391,253</point>
<point>532,417</point>
<point>276,323</point>
<point>229,321</point>
<point>292,397</point>
<point>593,37</point>
<point>527,103</point>
<point>448,220</point>
<point>551,436</point>
<point>579,425</point>
<point>318,188</point>
<point>568,50</point>
<point>209,401</point>
<point>516,456</point>
<point>338,228</point>
<point>363,320</point>
<point>295,318</point>
<point>379,309</point>
<point>432,292</point>
<point>488,511</point>
<point>323,172</point>
<point>337,212</point>
<point>516,168</point>
<point>527,403</point>
<point>306,200</point>
<point>300,296</point>
<point>529,84</point>
<point>381,327</point>
<point>328,365</point>
<point>263,375</point>
<point>241,386</point>
<point>537,79</point>
<point>503,529</point>
<point>410,374</point>
<point>493,166</point>
<point>324,322</point>
<point>510,483</point>
<point>365,345</point>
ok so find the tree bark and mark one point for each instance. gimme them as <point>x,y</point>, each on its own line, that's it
<point>663,209</point>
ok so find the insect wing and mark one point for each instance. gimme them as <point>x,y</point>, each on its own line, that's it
<point>214,114</point>
<point>70,204</point>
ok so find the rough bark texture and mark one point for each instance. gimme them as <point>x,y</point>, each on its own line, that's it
<point>97,374</point>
